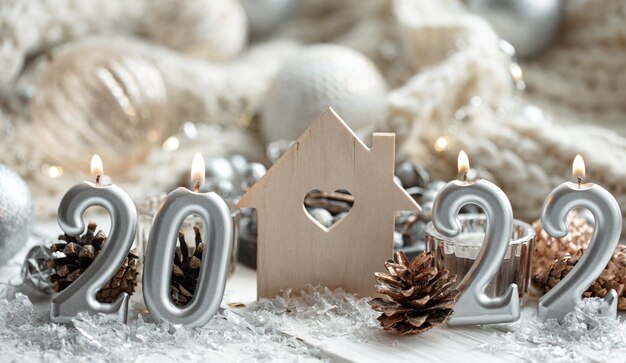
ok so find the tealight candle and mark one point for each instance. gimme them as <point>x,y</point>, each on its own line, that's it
<point>608,226</point>
<point>81,294</point>
<point>473,305</point>
<point>218,228</point>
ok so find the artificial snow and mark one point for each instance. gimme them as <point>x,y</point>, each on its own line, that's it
<point>255,332</point>
<point>583,336</point>
<point>264,331</point>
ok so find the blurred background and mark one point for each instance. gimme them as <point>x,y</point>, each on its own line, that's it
<point>521,86</point>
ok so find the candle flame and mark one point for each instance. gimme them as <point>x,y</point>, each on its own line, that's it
<point>578,167</point>
<point>96,166</point>
<point>463,162</point>
<point>197,169</point>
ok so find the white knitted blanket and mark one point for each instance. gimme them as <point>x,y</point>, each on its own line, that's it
<point>446,74</point>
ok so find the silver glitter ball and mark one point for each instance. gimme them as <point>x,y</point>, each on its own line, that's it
<point>224,188</point>
<point>247,224</point>
<point>219,168</point>
<point>398,242</point>
<point>319,77</point>
<point>412,175</point>
<point>471,209</point>
<point>16,213</point>
<point>436,185</point>
<point>322,215</point>
<point>529,25</point>
<point>430,195</point>
<point>276,149</point>
<point>239,163</point>
<point>339,217</point>
<point>426,214</point>
<point>35,271</point>
<point>254,172</point>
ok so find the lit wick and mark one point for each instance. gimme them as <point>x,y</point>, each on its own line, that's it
<point>197,171</point>
<point>578,168</point>
<point>463,163</point>
<point>96,168</point>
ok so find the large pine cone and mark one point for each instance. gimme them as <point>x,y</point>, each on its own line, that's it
<point>548,248</point>
<point>186,269</point>
<point>613,276</point>
<point>418,296</point>
<point>72,256</point>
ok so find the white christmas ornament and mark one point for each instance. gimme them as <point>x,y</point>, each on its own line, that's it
<point>16,213</point>
<point>319,77</point>
<point>93,99</point>
<point>529,25</point>
<point>215,30</point>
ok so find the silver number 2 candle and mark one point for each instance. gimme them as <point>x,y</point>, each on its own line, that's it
<point>218,228</point>
<point>81,294</point>
<point>474,306</point>
<point>608,226</point>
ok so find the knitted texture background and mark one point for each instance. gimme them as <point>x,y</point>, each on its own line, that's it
<point>446,73</point>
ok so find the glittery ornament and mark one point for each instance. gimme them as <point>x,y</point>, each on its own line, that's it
<point>319,77</point>
<point>529,25</point>
<point>215,30</point>
<point>230,176</point>
<point>35,270</point>
<point>96,100</point>
<point>411,175</point>
<point>265,16</point>
<point>321,215</point>
<point>16,213</point>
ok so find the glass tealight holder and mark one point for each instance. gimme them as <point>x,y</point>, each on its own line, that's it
<point>147,209</point>
<point>459,253</point>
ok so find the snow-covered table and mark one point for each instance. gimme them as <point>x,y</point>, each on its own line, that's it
<point>304,338</point>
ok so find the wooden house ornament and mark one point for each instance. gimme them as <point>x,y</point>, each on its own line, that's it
<point>294,249</point>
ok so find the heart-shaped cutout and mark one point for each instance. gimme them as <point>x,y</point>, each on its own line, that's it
<point>327,209</point>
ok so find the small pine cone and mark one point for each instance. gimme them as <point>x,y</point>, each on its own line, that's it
<point>548,248</point>
<point>613,276</point>
<point>418,296</point>
<point>186,269</point>
<point>71,257</point>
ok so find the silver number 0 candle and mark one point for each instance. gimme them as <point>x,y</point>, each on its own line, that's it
<point>608,225</point>
<point>218,228</point>
<point>81,294</point>
<point>473,305</point>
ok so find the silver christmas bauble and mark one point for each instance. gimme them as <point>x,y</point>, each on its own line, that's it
<point>16,213</point>
<point>529,25</point>
<point>266,16</point>
<point>231,176</point>
<point>322,215</point>
<point>36,272</point>
<point>214,30</point>
<point>319,77</point>
<point>411,175</point>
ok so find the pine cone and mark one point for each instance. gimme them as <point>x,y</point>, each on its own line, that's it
<point>419,297</point>
<point>548,248</point>
<point>186,269</point>
<point>72,256</point>
<point>613,276</point>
